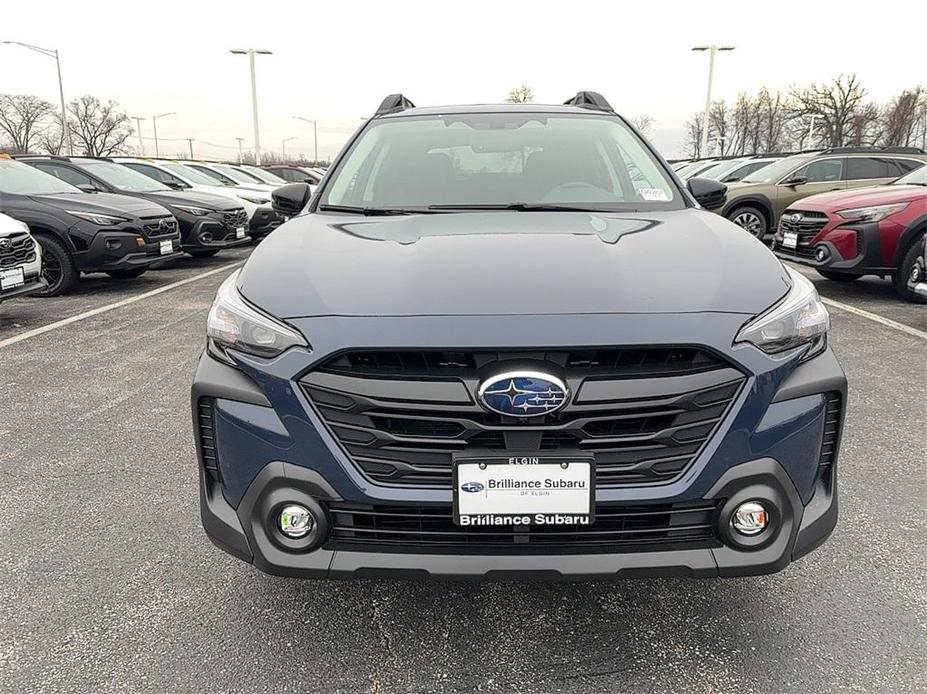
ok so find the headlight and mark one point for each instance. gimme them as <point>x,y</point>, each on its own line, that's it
<point>103,220</point>
<point>255,201</point>
<point>195,211</point>
<point>871,214</point>
<point>798,319</point>
<point>233,323</point>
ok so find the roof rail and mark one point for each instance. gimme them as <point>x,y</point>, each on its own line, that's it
<point>393,104</point>
<point>591,100</point>
<point>874,148</point>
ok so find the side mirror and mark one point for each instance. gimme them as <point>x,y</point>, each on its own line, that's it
<point>796,181</point>
<point>176,185</point>
<point>707,193</point>
<point>87,188</point>
<point>289,200</point>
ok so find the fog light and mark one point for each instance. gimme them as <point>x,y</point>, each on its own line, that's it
<point>206,237</point>
<point>113,244</point>
<point>750,518</point>
<point>295,521</point>
<point>820,254</point>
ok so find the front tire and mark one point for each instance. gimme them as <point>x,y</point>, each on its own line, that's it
<point>750,219</point>
<point>57,267</point>
<point>835,276</point>
<point>127,274</point>
<point>204,252</point>
<point>903,273</point>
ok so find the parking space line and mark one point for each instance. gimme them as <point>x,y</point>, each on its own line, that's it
<point>110,307</point>
<point>875,317</point>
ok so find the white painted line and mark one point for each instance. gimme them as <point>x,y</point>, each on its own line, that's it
<point>874,317</point>
<point>111,307</point>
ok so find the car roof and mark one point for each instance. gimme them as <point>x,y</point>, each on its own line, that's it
<point>494,108</point>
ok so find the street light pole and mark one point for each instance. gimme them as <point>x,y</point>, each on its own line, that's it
<point>711,74</point>
<point>315,135</point>
<point>251,52</point>
<point>53,53</point>
<point>138,128</point>
<point>154,124</point>
<point>240,156</point>
<point>190,141</point>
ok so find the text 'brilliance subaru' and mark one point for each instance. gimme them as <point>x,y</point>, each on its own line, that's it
<point>505,341</point>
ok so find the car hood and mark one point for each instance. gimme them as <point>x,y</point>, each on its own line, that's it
<point>501,263</point>
<point>10,226</point>
<point>210,201</point>
<point>105,203</point>
<point>862,197</point>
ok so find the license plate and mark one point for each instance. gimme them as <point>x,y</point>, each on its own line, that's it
<point>240,233</point>
<point>524,490</point>
<point>14,277</point>
<point>790,240</point>
<point>167,247</point>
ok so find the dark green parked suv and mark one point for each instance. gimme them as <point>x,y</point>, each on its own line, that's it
<point>757,201</point>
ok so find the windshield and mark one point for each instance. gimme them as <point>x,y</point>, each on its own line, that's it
<point>236,175</point>
<point>721,168</point>
<point>916,177</point>
<point>123,178</point>
<point>773,172</point>
<point>188,174</point>
<point>22,179</point>
<point>500,159</point>
<point>263,176</point>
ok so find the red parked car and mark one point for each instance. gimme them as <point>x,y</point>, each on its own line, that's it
<point>868,231</point>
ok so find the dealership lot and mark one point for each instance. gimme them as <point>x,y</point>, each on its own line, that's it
<point>109,583</point>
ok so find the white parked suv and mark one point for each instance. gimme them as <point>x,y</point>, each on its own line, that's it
<point>20,260</point>
<point>174,174</point>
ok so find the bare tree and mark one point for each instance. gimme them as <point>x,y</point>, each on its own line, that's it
<point>643,122</point>
<point>22,117</point>
<point>51,139</point>
<point>694,136</point>
<point>521,95</point>
<point>903,117</point>
<point>720,126</point>
<point>839,106</point>
<point>99,129</point>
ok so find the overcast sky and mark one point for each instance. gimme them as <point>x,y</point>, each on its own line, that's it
<point>335,61</point>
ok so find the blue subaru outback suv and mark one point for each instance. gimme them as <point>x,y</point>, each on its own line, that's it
<point>506,341</point>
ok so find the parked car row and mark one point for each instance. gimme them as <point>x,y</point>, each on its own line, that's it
<point>847,212</point>
<point>124,216</point>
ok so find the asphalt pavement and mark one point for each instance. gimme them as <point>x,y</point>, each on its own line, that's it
<point>108,584</point>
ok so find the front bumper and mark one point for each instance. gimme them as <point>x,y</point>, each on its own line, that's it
<point>203,233</point>
<point>854,249</point>
<point>33,285</point>
<point>264,221</point>
<point>267,446</point>
<point>115,250</point>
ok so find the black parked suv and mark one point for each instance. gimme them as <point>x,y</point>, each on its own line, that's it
<point>208,223</point>
<point>115,234</point>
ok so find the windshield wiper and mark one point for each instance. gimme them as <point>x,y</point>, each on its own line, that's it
<point>373,211</point>
<point>522,207</point>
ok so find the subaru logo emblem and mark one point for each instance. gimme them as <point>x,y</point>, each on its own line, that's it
<point>795,218</point>
<point>164,225</point>
<point>523,394</point>
<point>5,244</point>
<point>472,487</point>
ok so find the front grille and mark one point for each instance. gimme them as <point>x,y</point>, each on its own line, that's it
<point>19,251</point>
<point>431,529</point>
<point>154,227</point>
<point>206,431</point>
<point>235,218</point>
<point>833,411</point>
<point>645,414</point>
<point>807,229</point>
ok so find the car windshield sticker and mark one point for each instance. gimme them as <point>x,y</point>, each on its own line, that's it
<point>653,194</point>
